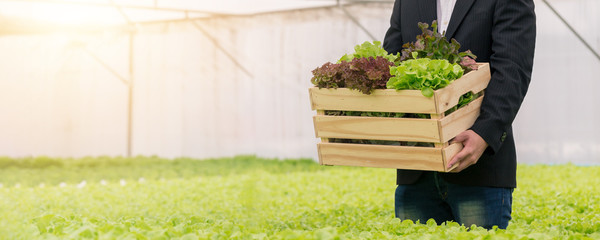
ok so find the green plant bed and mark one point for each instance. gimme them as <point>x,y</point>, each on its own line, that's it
<point>253,198</point>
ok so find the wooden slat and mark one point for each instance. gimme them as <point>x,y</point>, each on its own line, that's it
<point>460,120</point>
<point>323,140</point>
<point>420,158</point>
<point>320,113</point>
<point>381,100</point>
<point>448,153</point>
<point>474,81</point>
<point>377,128</point>
<point>437,117</point>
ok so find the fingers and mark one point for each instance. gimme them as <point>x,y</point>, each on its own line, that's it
<point>465,152</point>
<point>459,138</point>
<point>458,157</point>
<point>458,168</point>
<point>473,147</point>
<point>465,158</point>
<point>463,164</point>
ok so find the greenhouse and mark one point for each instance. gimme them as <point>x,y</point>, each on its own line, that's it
<point>155,119</point>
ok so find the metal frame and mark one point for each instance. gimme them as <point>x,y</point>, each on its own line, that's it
<point>115,5</point>
<point>218,46</point>
<point>210,14</point>
<point>581,39</point>
<point>355,21</point>
<point>130,97</point>
<point>133,27</point>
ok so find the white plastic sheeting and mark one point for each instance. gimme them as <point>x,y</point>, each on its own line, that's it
<point>191,98</point>
<point>101,12</point>
<point>558,121</point>
<point>56,100</point>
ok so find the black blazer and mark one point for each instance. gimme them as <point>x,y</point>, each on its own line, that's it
<point>501,32</point>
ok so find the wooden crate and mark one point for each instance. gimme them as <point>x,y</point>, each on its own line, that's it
<point>438,130</point>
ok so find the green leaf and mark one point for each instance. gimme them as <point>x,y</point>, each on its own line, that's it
<point>423,74</point>
<point>427,92</point>
<point>431,44</point>
<point>368,50</point>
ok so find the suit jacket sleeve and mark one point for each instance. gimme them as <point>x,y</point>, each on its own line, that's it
<point>511,61</point>
<point>392,42</point>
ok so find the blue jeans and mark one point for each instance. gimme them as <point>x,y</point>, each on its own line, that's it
<point>432,197</point>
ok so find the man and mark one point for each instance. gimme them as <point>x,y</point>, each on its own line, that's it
<point>479,190</point>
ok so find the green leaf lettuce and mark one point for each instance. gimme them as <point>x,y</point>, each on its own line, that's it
<point>424,74</point>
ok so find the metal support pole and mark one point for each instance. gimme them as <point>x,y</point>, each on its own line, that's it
<point>120,9</point>
<point>355,21</point>
<point>130,98</point>
<point>107,67</point>
<point>587,45</point>
<point>218,45</point>
<point>128,83</point>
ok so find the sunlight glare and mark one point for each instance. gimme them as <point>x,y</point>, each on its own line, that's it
<point>64,14</point>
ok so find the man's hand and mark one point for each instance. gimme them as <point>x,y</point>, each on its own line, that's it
<point>473,147</point>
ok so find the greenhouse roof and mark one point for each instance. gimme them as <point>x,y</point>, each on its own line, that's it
<point>22,16</point>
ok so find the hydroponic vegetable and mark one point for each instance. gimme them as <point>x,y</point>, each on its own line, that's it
<point>253,198</point>
<point>362,74</point>
<point>432,44</point>
<point>367,50</point>
<point>424,74</point>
